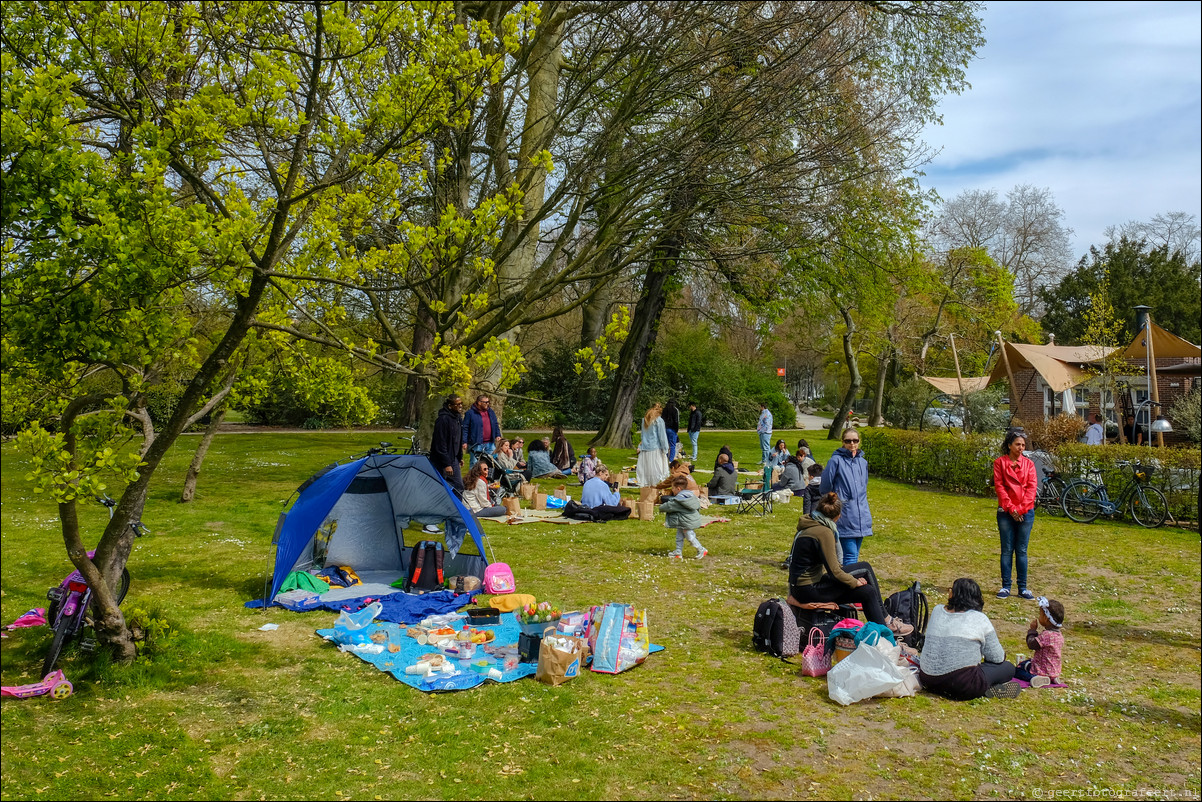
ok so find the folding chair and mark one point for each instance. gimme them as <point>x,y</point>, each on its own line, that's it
<point>757,494</point>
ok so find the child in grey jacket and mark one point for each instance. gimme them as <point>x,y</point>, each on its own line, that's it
<point>681,512</point>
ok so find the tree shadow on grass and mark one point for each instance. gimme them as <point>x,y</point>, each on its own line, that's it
<point>1115,630</point>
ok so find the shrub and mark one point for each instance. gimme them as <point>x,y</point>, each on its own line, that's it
<point>951,461</point>
<point>1187,413</point>
<point>1051,434</point>
<point>907,402</point>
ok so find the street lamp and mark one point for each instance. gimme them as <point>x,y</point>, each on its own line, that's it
<point>1159,425</point>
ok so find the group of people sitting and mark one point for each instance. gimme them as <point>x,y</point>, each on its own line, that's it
<point>962,657</point>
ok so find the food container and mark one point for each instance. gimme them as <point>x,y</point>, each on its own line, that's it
<point>481,616</point>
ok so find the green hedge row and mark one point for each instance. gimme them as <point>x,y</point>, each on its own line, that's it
<point>965,464</point>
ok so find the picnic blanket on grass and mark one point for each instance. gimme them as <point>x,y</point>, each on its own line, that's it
<point>410,650</point>
<point>399,607</point>
<point>556,517</point>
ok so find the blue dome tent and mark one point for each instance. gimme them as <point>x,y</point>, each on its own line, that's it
<point>356,514</point>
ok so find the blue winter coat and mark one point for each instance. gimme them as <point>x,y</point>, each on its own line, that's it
<point>849,478</point>
<point>473,426</point>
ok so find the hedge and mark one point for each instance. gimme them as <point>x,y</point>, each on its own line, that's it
<point>964,464</point>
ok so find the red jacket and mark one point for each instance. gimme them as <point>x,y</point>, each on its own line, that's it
<point>1015,485</point>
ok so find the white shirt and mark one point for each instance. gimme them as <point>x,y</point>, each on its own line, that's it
<point>1094,435</point>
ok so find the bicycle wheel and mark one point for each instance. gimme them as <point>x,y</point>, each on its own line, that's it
<point>1148,507</point>
<point>123,586</point>
<point>1053,495</point>
<point>62,633</point>
<point>1081,501</point>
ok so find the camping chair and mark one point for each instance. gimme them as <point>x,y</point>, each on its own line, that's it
<point>757,494</point>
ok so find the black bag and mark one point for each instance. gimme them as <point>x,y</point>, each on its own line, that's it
<point>572,509</point>
<point>425,567</point>
<point>822,620</point>
<point>910,606</point>
<point>775,630</point>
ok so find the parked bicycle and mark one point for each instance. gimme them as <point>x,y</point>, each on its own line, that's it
<point>71,603</point>
<point>1084,500</point>
<point>1049,494</point>
<point>414,446</point>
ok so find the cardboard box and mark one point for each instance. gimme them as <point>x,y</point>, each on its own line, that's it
<point>540,501</point>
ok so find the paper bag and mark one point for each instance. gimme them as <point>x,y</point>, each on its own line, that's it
<point>776,474</point>
<point>512,504</point>
<point>632,504</point>
<point>527,490</point>
<point>561,492</point>
<point>648,494</point>
<point>556,667</point>
<point>645,510</point>
<point>705,491</point>
<point>540,501</point>
<point>622,479</point>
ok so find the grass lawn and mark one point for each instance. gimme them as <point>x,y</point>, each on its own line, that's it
<point>225,710</point>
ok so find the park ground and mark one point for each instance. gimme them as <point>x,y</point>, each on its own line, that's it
<point>223,710</point>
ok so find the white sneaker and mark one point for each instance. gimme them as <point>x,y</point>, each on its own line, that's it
<point>676,555</point>
<point>701,554</point>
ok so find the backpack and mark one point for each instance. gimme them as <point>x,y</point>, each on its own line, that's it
<point>425,567</point>
<point>910,606</point>
<point>775,630</point>
<point>498,579</point>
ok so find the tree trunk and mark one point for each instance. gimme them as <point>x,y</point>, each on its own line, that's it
<point>853,370</point>
<point>198,458</point>
<point>417,388</point>
<point>877,418</point>
<point>636,351</point>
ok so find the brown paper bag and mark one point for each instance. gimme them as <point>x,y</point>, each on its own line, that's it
<point>556,667</point>
<point>705,491</point>
<point>648,494</point>
<point>645,510</point>
<point>527,490</point>
<point>540,501</point>
<point>632,504</point>
<point>512,504</point>
<point>623,479</point>
<point>561,491</point>
<point>776,474</point>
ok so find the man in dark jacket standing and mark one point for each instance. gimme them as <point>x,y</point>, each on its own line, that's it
<point>446,450</point>
<point>694,426</point>
<point>671,416</point>
<point>480,429</point>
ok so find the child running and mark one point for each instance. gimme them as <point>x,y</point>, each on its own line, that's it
<point>681,511</point>
<point>1044,666</point>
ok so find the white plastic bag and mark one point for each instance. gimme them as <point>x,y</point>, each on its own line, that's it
<point>862,674</point>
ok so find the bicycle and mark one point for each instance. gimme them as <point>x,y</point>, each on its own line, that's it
<point>1084,500</point>
<point>1049,493</point>
<point>71,600</point>
<point>414,447</point>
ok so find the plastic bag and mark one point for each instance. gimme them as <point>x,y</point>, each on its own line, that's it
<point>353,628</point>
<point>618,638</point>
<point>861,675</point>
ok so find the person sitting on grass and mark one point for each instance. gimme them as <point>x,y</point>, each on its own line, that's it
<point>682,513</point>
<point>726,480</point>
<point>476,495</point>
<point>601,496</point>
<point>792,477</point>
<point>813,491</point>
<point>679,468</point>
<point>1044,666</point>
<point>817,573</point>
<point>962,658</point>
<point>538,461</point>
<point>588,464</point>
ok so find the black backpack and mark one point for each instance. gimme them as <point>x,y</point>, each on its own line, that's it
<point>775,630</point>
<point>910,606</point>
<point>425,567</point>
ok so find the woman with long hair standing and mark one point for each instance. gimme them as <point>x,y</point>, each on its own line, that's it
<point>653,449</point>
<point>1015,481</point>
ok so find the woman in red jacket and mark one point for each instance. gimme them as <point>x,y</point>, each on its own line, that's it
<point>1015,481</point>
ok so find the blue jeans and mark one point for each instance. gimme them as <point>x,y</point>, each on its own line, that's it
<point>693,439</point>
<point>673,444</point>
<point>1015,536</point>
<point>851,549</point>
<point>765,446</point>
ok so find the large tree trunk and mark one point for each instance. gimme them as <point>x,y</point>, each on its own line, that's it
<point>853,370</point>
<point>189,491</point>
<point>636,351</point>
<point>417,388</point>
<point>877,418</point>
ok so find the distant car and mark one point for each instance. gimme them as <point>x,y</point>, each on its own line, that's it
<point>936,418</point>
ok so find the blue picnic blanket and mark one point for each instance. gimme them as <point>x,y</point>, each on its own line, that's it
<point>410,650</point>
<point>399,607</point>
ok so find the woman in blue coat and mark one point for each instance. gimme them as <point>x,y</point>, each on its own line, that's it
<point>846,473</point>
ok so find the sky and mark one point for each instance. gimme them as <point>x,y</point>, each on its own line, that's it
<point>1099,102</point>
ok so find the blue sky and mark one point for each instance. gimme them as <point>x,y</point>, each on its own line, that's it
<point>1099,102</point>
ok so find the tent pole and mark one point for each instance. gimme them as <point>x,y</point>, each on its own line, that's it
<point>1009,375</point>
<point>959,383</point>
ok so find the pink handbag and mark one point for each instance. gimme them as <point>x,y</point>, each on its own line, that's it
<point>815,662</point>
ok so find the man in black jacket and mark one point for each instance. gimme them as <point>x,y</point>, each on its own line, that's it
<point>671,416</point>
<point>694,426</point>
<point>446,446</point>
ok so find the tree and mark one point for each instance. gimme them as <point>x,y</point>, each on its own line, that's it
<point>157,150</point>
<point>1177,230</point>
<point>1127,273</point>
<point>1025,234</point>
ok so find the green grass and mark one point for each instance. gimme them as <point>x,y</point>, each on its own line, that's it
<point>224,710</point>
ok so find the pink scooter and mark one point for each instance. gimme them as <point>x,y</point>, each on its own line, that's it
<point>55,684</point>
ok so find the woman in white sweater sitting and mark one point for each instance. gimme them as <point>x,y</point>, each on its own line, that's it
<point>476,494</point>
<point>962,657</point>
